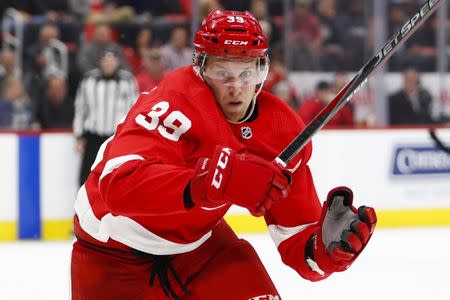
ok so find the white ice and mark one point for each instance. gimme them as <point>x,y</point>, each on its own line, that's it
<point>410,264</point>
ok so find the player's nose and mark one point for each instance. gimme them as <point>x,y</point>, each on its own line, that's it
<point>233,90</point>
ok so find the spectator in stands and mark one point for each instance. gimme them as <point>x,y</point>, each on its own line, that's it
<point>42,58</point>
<point>267,28</point>
<point>153,70</point>
<point>55,108</point>
<point>412,103</point>
<point>80,9</point>
<point>339,81</point>
<point>332,53</point>
<point>306,37</point>
<point>323,96</point>
<point>206,6</point>
<point>353,29</point>
<point>278,83</point>
<point>260,9</point>
<point>89,54</point>
<point>421,50</point>
<point>36,62</point>
<point>103,98</point>
<point>135,54</point>
<point>177,53</point>
<point>398,15</point>
<point>15,106</point>
<point>8,64</point>
<point>277,73</point>
<point>285,91</point>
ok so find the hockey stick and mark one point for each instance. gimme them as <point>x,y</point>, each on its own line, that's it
<point>439,144</point>
<point>357,81</point>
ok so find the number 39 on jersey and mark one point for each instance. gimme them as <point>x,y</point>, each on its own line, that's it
<point>172,127</point>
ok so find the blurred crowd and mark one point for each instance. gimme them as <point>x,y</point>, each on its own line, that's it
<point>54,44</point>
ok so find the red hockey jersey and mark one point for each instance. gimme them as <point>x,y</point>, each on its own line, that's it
<point>134,194</point>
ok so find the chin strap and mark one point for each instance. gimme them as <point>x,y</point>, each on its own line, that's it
<point>252,106</point>
<point>248,114</point>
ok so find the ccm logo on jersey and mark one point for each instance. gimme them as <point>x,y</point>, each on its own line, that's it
<point>221,165</point>
<point>235,42</point>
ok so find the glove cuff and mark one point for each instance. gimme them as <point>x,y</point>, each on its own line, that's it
<point>309,255</point>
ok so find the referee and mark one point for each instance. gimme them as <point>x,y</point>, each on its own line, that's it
<point>103,98</point>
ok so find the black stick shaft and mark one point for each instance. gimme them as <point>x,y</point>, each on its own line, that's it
<point>357,81</point>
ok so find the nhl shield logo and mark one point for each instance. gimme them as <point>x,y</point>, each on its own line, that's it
<point>246,132</point>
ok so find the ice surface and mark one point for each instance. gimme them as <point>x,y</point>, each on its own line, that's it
<point>408,264</point>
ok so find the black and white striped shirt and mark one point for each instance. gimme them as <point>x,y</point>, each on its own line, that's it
<point>102,102</point>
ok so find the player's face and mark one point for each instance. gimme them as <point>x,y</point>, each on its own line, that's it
<point>233,83</point>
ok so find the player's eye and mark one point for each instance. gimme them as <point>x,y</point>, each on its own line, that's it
<point>245,75</point>
<point>222,74</point>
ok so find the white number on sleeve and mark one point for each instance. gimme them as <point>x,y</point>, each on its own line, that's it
<point>174,125</point>
<point>157,111</point>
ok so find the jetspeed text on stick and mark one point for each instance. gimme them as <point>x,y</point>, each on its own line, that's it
<point>407,27</point>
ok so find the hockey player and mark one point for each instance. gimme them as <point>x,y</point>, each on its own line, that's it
<point>149,219</point>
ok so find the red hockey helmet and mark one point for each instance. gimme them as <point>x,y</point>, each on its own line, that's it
<point>230,34</point>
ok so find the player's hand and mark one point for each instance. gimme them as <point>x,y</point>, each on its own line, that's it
<point>242,179</point>
<point>343,234</point>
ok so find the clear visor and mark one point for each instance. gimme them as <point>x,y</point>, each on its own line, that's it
<point>237,72</point>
